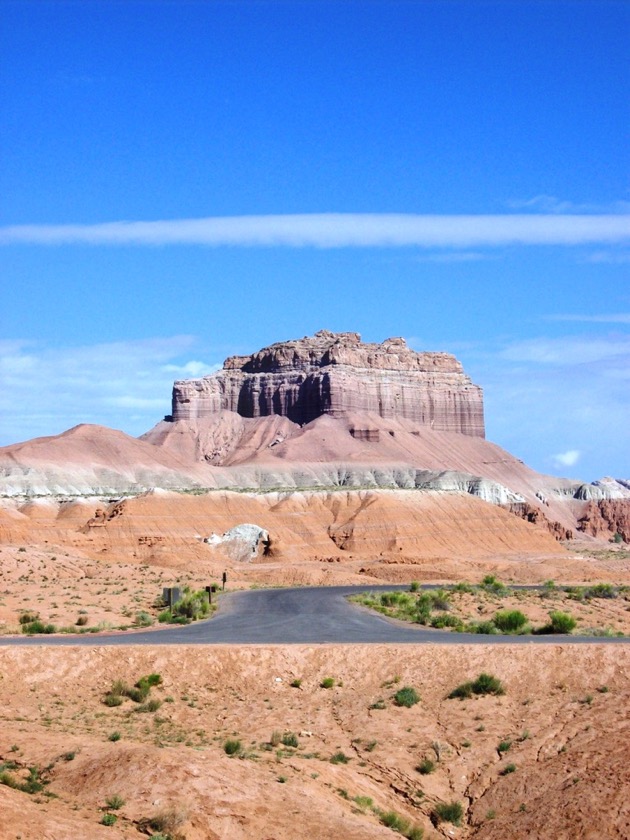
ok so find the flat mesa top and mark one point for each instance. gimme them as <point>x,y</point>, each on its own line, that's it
<point>328,348</point>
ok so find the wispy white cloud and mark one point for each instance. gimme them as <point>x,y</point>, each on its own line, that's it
<point>619,257</point>
<point>542,394</point>
<point>339,230</point>
<point>571,350</point>
<point>568,458</point>
<point>125,384</point>
<point>544,203</point>
<point>614,318</point>
<point>456,256</point>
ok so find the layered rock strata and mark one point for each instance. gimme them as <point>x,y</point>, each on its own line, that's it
<point>336,373</point>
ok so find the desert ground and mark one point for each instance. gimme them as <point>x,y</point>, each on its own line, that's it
<point>546,759</point>
<point>245,741</point>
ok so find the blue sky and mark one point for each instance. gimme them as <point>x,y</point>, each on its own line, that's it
<point>181,181</point>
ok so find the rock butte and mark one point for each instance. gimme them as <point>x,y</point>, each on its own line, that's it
<point>336,373</point>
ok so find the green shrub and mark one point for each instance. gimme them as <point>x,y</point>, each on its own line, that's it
<point>484,684</point>
<point>114,736</point>
<point>560,622</point>
<point>399,824</point>
<point>407,697</point>
<point>440,599</point>
<point>37,627</point>
<point>461,692</point>
<point>447,812</point>
<point>504,746</point>
<point>115,802</point>
<point>462,588</point>
<point>32,784</point>
<point>232,747</point>
<point>486,628</point>
<point>191,607</point>
<point>415,586</point>
<point>487,684</point>
<point>109,819</point>
<point>441,621</point>
<point>424,605</point>
<point>296,683</point>
<point>600,590</point>
<point>491,584</point>
<point>112,699</point>
<point>339,758</point>
<point>150,706</point>
<point>510,621</point>
<point>425,767</point>
<point>290,739</point>
<point>509,768</point>
<point>327,682</point>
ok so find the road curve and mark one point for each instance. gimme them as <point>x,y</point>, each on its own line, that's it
<point>306,615</point>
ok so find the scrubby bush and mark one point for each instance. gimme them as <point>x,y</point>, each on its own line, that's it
<point>138,692</point>
<point>447,812</point>
<point>491,584</point>
<point>191,607</point>
<point>424,605</point>
<point>440,599</point>
<point>37,627</point>
<point>560,622</point>
<point>232,747</point>
<point>115,802</point>
<point>441,621</point>
<point>600,590</point>
<point>290,739</point>
<point>400,825</point>
<point>488,684</point>
<point>327,682</point>
<point>425,767</point>
<point>406,696</point>
<point>510,621</point>
<point>484,684</point>
<point>486,628</point>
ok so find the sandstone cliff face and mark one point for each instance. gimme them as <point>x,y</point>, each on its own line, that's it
<point>336,373</point>
<point>605,518</point>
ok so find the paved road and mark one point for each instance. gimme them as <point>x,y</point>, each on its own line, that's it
<point>308,615</point>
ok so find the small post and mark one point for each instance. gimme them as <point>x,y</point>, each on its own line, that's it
<point>224,580</point>
<point>209,591</point>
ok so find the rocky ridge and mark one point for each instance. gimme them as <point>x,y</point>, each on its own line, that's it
<point>335,373</point>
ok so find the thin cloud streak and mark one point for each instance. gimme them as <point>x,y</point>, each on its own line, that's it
<point>619,318</point>
<point>338,230</point>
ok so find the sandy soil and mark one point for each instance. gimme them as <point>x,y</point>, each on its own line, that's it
<point>564,714</point>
